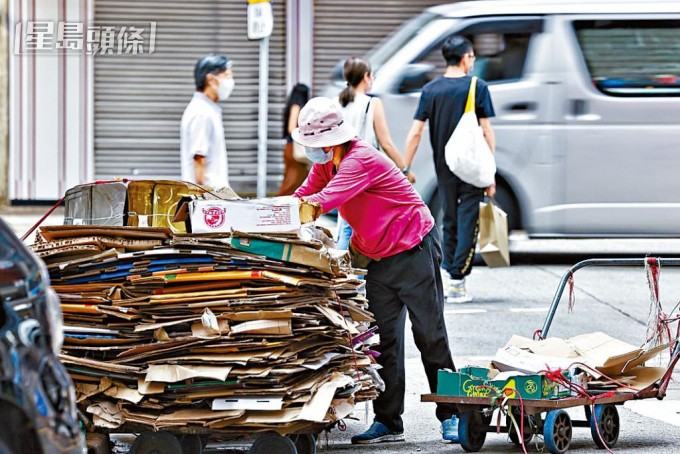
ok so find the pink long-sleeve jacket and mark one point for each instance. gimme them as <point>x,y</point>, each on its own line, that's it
<point>373,196</point>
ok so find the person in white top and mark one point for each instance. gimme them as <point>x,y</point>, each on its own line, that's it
<point>367,115</point>
<point>202,144</point>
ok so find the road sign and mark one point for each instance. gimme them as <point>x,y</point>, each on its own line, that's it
<point>260,19</point>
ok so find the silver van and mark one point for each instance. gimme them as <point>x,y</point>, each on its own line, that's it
<point>587,100</point>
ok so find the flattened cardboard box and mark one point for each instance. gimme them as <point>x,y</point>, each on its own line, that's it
<point>272,215</point>
<point>608,355</point>
<point>329,260</point>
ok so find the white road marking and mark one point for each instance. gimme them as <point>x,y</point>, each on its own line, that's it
<point>529,309</point>
<point>465,311</point>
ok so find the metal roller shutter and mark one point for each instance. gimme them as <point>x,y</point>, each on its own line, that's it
<point>139,100</point>
<point>353,27</point>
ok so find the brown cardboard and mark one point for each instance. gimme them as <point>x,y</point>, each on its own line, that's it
<point>106,414</point>
<point>333,261</point>
<point>271,215</point>
<point>153,203</point>
<point>172,335</point>
<point>147,388</point>
<point>608,355</point>
<point>641,378</point>
<point>55,232</point>
<point>278,327</point>
<point>119,391</point>
<point>176,373</point>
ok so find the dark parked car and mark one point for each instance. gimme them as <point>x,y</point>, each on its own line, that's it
<point>37,399</point>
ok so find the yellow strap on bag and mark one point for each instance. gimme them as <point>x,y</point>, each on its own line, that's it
<point>470,103</point>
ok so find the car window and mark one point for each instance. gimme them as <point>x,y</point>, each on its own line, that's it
<point>396,41</point>
<point>501,48</point>
<point>631,57</point>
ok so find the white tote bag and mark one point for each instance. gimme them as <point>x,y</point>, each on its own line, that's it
<point>467,154</point>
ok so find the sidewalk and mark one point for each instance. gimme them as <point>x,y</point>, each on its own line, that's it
<point>21,219</point>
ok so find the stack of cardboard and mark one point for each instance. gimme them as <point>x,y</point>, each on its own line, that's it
<point>602,362</point>
<point>229,333</point>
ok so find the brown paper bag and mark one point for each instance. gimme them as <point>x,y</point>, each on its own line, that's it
<point>493,235</point>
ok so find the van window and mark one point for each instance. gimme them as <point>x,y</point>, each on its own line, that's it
<point>501,48</point>
<point>396,41</point>
<point>632,57</point>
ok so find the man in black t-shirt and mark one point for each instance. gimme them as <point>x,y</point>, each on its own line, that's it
<point>442,103</point>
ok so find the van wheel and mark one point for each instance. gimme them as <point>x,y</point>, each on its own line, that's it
<point>508,203</point>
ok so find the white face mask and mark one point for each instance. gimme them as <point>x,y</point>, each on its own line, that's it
<point>224,89</point>
<point>318,156</point>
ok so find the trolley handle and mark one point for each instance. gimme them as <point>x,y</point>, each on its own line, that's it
<point>594,262</point>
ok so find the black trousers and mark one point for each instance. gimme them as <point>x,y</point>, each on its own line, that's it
<point>460,202</point>
<point>409,282</point>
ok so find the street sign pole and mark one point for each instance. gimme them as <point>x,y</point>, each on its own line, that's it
<point>260,26</point>
<point>262,119</point>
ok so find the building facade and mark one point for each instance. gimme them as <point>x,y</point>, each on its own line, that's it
<point>95,89</point>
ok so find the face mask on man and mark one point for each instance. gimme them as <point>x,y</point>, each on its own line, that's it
<point>225,87</point>
<point>318,156</point>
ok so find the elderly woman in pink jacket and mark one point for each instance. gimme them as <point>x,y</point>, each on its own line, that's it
<point>394,229</point>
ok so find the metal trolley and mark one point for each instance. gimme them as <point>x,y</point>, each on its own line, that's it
<point>556,426</point>
<point>192,440</point>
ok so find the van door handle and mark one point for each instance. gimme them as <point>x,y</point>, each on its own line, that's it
<point>578,107</point>
<point>521,107</point>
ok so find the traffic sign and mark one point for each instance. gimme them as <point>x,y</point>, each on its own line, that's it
<point>260,19</point>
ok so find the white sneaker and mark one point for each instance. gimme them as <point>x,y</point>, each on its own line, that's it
<point>456,292</point>
<point>445,276</point>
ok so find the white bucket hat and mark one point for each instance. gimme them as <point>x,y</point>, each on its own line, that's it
<point>321,125</point>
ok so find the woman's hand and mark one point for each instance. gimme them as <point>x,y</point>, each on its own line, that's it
<point>491,190</point>
<point>411,177</point>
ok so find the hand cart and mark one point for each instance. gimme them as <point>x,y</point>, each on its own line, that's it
<point>601,414</point>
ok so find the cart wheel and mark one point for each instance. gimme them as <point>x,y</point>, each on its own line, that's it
<point>192,444</point>
<point>471,431</point>
<point>97,443</point>
<point>272,442</point>
<point>529,421</point>
<point>305,443</point>
<point>557,431</point>
<point>156,443</point>
<point>607,417</point>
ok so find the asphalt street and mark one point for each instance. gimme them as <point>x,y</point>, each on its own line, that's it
<point>515,300</point>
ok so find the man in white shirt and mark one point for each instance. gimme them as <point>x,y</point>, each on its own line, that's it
<point>202,144</point>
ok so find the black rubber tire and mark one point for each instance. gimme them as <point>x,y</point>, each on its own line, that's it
<point>156,443</point>
<point>305,443</point>
<point>98,443</point>
<point>191,444</point>
<point>471,431</point>
<point>272,442</point>
<point>508,203</point>
<point>607,417</point>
